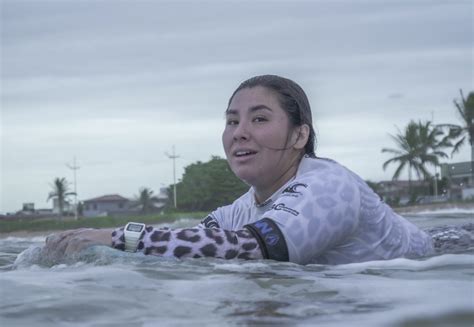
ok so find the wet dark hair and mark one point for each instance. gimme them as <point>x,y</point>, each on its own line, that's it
<point>292,99</point>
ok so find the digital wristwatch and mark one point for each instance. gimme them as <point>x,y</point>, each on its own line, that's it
<point>132,233</point>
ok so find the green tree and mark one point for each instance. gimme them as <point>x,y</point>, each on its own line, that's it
<point>417,146</point>
<point>460,134</point>
<point>145,200</point>
<point>206,186</point>
<point>61,192</point>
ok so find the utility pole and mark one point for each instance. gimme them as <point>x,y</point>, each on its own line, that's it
<point>174,157</point>
<point>74,168</point>
<point>436,171</point>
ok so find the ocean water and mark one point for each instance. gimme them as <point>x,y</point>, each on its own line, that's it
<point>104,287</point>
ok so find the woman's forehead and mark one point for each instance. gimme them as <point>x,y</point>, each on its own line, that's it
<point>254,98</point>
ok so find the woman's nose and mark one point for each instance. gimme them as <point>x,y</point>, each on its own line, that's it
<point>241,132</point>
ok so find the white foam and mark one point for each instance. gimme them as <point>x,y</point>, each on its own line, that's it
<point>409,264</point>
<point>242,266</point>
<point>445,211</point>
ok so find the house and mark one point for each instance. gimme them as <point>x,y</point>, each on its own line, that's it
<point>457,173</point>
<point>117,205</point>
<point>459,177</point>
<point>29,212</point>
<point>28,209</point>
<point>108,205</point>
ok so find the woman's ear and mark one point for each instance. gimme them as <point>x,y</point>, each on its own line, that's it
<point>301,134</point>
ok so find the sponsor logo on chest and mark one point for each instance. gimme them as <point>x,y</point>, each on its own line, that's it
<point>282,207</point>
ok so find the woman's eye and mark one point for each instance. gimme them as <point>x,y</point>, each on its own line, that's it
<point>260,119</point>
<point>232,122</point>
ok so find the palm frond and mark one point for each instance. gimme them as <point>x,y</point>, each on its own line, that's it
<point>401,158</point>
<point>420,144</point>
<point>457,146</point>
<point>399,170</point>
<point>394,151</point>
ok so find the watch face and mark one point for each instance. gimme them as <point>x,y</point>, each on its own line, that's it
<point>135,228</point>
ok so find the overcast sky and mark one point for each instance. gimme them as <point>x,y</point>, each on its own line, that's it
<point>118,83</point>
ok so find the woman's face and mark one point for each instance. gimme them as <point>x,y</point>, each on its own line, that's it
<point>258,137</point>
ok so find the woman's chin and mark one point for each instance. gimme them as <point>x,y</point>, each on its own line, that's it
<point>246,177</point>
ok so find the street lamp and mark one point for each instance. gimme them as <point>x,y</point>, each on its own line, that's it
<point>174,157</point>
<point>74,167</point>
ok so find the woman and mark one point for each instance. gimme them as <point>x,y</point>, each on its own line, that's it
<point>300,208</point>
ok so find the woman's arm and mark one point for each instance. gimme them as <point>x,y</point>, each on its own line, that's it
<point>194,243</point>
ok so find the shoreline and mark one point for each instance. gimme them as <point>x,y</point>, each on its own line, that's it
<point>400,210</point>
<point>40,227</point>
<point>26,233</point>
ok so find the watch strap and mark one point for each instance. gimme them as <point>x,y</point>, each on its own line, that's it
<point>131,242</point>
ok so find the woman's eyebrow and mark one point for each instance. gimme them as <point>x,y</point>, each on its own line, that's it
<point>231,112</point>
<point>260,107</point>
<point>251,109</point>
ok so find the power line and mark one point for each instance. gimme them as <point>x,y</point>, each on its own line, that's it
<point>74,167</point>
<point>173,156</point>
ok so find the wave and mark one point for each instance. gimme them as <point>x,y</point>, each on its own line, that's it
<point>436,262</point>
<point>442,211</point>
<point>103,255</point>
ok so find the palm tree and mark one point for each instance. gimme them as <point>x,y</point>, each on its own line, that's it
<point>61,192</point>
<point>431,150</point>
<point>461,133</point>
<point>146,200</point>
<point>417,146</point>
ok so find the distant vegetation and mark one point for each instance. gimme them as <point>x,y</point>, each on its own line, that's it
<point>52,224</point>
<point>207,186</point>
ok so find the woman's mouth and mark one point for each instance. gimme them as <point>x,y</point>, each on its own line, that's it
<point>244,153</point>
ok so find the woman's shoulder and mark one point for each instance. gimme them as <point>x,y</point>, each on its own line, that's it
<point>328,174</point>
<point>310,166</point>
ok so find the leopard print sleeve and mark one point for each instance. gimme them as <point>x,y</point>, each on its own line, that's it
<point>195,243</point>
<point>118,239</point>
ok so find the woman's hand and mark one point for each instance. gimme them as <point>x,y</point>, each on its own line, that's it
<point>68,243</point>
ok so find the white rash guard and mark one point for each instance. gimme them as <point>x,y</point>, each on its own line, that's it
<point>327,215</point>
